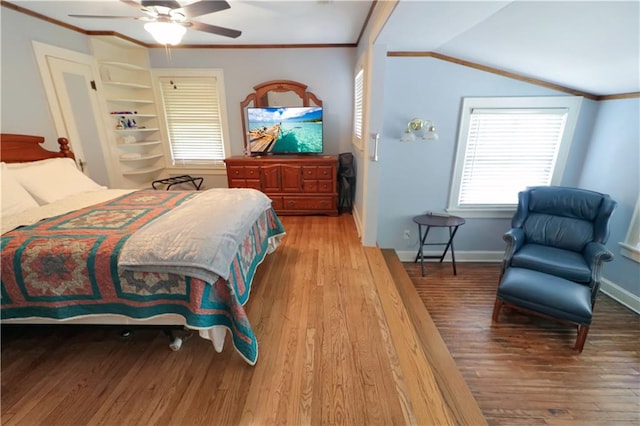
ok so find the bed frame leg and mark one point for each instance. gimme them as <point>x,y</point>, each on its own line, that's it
<point>176,341</point>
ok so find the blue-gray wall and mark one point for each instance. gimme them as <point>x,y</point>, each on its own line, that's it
<point>25,109</point>
<point>612,165</point>
<point>326,72</point>
<point>416,177</point>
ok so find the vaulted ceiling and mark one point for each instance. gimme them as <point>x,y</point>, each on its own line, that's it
<point>591,46</point>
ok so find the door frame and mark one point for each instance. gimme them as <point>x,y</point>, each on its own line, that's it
<point>42,51</point>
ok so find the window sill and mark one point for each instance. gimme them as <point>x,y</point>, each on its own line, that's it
<point>629,251</point>
<point>482,213</point>
<point>213,169</point>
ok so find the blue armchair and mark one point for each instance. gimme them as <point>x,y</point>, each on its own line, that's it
<point>554,254</point>
<point>561,231</point>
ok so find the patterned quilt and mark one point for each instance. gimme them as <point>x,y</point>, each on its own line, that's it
<point>66,267</point>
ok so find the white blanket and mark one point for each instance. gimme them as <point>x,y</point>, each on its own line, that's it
<point>199,238</point>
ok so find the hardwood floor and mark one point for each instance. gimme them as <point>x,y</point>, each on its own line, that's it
<point>522,370</point>
<point>337,345</point>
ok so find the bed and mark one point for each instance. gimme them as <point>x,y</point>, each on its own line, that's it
<point>80,253</point>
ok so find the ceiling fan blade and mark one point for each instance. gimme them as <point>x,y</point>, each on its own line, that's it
<point>132,3</point>
<point>213,29</point>
<point>104,17</point>
<point>169,4</point>
<point>203,8</point>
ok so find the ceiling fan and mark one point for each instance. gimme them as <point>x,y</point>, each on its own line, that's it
<point>167,21</point>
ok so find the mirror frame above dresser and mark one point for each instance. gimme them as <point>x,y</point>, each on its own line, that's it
<point>260,98</point>
<point>297,184</point>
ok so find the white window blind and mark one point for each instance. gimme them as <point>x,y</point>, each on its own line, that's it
<point>193,117</point>
<point>357,108</point>
<point>508,150</point>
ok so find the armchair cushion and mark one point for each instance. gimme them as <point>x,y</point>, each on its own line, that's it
<point>567,264</point>
<point>558,231</point>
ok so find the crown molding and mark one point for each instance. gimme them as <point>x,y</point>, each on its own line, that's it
<point>417,54</point>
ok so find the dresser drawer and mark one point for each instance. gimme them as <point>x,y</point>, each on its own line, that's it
<point>326,172</point>
<point>310,172</point>
<point>310,185</point>
<point>252,172</point>
<point>237,183</point>
<point>253,183</point>
<point>326,186</point>
<point>276,202</point>
<point>235,172</point>
<point>308,203</point>
<point>242,172</point>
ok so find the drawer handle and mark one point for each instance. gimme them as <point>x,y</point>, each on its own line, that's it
<point>324,203</point>
<point>291,203</point>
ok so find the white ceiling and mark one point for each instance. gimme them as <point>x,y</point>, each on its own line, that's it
<point>261,21</point>
<point>592,46</point>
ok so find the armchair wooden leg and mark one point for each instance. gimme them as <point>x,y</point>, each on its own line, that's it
<point>583,330</point>
<point>496,309</point>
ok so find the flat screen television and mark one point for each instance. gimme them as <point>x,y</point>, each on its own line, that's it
<point>285,130</point>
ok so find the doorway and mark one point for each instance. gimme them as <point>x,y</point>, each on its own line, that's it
<point>70,84</point>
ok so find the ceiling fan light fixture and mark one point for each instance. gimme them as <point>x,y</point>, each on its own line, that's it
<point>166,32</point>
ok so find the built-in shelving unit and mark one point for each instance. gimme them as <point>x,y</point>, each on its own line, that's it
<point>132,114</point>
<point>141,158</point>
<point>120,64</point>
<point>143,171</point>
<point>130,101</point>
<point>135,144</point>
<point>127,84</point>
<point>137,129</point>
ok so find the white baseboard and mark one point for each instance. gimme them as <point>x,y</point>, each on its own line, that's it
<point>620,295</point>
<point>461,256</point>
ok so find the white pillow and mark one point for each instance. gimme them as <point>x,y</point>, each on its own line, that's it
<point>37,163</point>
<point>15,199</point>
<point>51,180</point>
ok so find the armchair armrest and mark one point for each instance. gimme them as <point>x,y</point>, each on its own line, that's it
<point>515,239</point>
<point>595,254</point>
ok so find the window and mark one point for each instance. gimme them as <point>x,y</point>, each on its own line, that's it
<point>357,107</point>
<point>506,145</point>
<point>631,245</point>
<point>194,114</point>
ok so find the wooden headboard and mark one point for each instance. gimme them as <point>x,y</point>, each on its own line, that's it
<point>22,148</point>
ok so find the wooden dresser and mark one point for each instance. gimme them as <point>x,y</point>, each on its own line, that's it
<point>297,184</point>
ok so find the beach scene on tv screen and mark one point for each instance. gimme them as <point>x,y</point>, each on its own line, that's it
<point>285,130</point>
